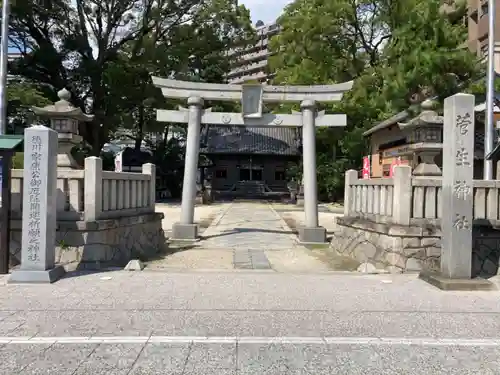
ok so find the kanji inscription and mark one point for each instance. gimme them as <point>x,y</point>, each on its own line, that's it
<point>34,200</point>
<point>462,190</point>
<point>464,122</point>
<point>457,194</point>
<point>462,157</point>
<point>461,222</point>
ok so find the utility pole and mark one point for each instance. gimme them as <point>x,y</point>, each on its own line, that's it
<point>489,129</point>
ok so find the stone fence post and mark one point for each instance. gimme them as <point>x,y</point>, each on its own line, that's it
<point>93,188</point>
<point>150,169</point>
<point>402,200</point>
<point>351,176</point>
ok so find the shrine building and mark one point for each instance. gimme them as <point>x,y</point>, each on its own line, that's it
<point>250,161</point>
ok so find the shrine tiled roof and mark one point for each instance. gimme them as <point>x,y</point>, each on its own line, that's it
<point>250,140</point>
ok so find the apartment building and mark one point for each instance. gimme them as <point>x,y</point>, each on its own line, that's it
<point>11,57</point>
<point>251,62</point>
<point>477,23</point>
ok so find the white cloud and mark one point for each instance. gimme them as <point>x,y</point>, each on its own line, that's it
<point>265,10</point>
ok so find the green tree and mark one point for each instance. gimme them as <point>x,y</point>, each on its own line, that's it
<point>21,96</point>
<point>398,52</point>
<point>81,44</point>
<point>195,52</point>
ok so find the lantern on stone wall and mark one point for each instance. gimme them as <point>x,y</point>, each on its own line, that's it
<point>424,136</point>
<point>64,119</point>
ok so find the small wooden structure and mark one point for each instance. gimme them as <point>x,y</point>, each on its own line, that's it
<point>416,141</point>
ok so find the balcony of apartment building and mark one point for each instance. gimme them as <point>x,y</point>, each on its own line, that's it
<point>13,56</point>
<point>474,7</point>
<point>268,29</point>
<point>259,45</point>
<point>10,77</point>
<point>259,76</point>
<point>483,53</point>
<point>479,23</point>
<point>252,57</point>
<point>247,69</point>
<point>263,37</point>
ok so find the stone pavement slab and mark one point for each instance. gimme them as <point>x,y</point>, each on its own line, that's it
<point>59,359</point>
<point>248,359</point>
<point>250,259</point>
<point>194,258</point>
<point>257,323</point>
<point>248,225</point>
<point>244,235</point>
<point>110,359</point>
<point>161,358</point>
<point>254,303</point>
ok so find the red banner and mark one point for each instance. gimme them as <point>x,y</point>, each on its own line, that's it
<point>395,162</point>
<point>366,167</point>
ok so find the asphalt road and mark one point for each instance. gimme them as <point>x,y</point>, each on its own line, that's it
<point>248,322</point>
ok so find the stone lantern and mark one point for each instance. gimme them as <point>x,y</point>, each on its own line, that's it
<point>424,137</point>
<point>64,119</point>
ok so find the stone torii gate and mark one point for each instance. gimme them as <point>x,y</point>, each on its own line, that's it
<point>252,97</point>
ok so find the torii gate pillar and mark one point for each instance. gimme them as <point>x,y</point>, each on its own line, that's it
<point>311,232</point>
<point>186,228</point>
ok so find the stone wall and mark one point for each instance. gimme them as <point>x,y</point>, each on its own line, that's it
<point>101,243</point>
<point>397,248</point>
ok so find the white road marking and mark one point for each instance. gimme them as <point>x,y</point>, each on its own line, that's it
<point>386,341</point>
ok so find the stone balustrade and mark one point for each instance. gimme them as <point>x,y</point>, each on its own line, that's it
<point>70,188</point>
<point>93,194</point>
<point>119,193</point>
<point>378,199</point>
<point>395,223</point>
<point>370,198</point>
<point>103,218</point>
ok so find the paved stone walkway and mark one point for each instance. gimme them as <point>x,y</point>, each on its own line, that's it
<point>249,226</point>
<point>246,235</point>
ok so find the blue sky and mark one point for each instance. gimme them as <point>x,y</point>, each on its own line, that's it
<point>265,10</point>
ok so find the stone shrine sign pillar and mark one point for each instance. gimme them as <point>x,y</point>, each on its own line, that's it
<point>252,97</point>
<point>457,198</point>
<point>39,208</point>
<point>458,171</point>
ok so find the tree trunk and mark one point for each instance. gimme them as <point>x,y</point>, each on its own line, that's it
<point>140,129</point>
<point>95,135</point>
<point>98,134</point>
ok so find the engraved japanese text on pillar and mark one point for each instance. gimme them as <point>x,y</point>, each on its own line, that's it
<point>458,188</point>
<point>34,200</point>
